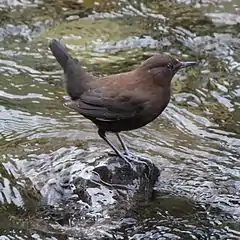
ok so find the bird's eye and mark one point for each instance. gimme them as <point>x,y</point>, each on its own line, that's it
<point>170,66</point>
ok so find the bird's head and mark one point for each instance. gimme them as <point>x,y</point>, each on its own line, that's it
<point>163,67</point>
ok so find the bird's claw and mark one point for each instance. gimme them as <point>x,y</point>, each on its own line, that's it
<point>130,157</point>
<point>136,158</point>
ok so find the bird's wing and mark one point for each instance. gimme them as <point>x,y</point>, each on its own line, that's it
<point>95,104</point>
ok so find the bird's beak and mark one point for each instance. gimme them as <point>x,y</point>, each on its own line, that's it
<point>186,64</point>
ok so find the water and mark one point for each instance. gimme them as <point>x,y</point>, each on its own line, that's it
<point>195,143</point>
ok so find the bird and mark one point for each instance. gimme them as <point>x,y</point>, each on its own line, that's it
<point>119,102</point>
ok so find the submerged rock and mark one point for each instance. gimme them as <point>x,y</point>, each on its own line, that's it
<point>91,195</point>
<point>110,182</point>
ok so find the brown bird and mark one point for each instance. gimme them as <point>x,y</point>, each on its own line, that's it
<point>120,102</point>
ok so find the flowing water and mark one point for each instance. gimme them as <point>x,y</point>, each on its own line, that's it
<point>195,143</point>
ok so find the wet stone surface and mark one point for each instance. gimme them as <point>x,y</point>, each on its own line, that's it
<point>109,181</point>
<point>81,194</point>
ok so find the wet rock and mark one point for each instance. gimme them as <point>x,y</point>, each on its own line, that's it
<point>225,18</point>
<point>93,195</point>
<point>112,182</point>
<point>126,44</point>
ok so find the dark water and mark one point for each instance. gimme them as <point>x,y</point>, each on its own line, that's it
<point>195,143</point>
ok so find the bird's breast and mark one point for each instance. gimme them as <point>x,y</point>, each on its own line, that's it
<point>156,104</point>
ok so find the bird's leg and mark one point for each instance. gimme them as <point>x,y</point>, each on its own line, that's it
<point>103,136</point>
<point>124,146</point>
<point>130,155</point>
<point>127,158</point>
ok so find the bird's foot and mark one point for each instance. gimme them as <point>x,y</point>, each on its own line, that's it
<point>130,157</point>
<point>122,156</point>
<point>139,159</point>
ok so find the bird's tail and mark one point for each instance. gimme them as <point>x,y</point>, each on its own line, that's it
<point>76,78</point>
<point>59,52</point>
